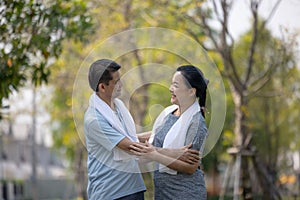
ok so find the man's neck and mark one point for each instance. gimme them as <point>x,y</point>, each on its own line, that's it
<point>107,100</point>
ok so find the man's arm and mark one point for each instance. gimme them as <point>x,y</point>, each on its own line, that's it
<point>125,144</point>
<point>185,153</point>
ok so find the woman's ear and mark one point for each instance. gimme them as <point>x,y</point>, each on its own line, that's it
<point>193,91</point>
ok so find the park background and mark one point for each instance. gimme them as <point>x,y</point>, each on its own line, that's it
<point>253,44</point>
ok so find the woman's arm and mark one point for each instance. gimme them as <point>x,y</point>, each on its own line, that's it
<point>150,152</point>
<point>185,154</point>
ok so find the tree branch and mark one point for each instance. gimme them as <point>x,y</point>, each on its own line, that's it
<point>216,11</point>
<point>254,8</point>
<point>261,81</point>
<point>263,24</point>
<point>208,30</point>
<point>195,37</point>
<point>271,13</point>
<point>226,49</point>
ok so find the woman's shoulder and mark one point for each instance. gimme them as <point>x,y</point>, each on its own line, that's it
<point>198,117</point>
<point>198,123</point>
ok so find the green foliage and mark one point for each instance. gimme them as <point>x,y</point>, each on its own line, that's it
<point>65,136</point>
<point>272,59</point>
<point>160,97</point>
<point>265,53</point>
<point>275,116</point>
<point>115,16</point>
<point>31,36</point>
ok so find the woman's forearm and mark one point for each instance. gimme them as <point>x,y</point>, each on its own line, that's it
<point>150,152</point>
<point>184,154</point>
<point>173,163</point>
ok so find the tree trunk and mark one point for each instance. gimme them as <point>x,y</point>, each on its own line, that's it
<point>80,170</point>
<point>139,104</point>
<point>242,141</point>
<point>270,192</point>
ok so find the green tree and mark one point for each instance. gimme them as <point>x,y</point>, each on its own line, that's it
<point>31,37</point>
<point>247,71</point>
<point>274,120</point>
<point>66,139</point>
<point>124,16</point>
<point>240,62</point>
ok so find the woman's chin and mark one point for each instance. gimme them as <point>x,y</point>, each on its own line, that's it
<point>173,101</point>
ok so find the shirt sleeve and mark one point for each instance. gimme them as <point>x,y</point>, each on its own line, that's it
<point>101,132</point>
<point>197,133</point>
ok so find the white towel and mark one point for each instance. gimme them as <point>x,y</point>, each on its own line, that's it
<point>97,103</point>
<point>175,137</point>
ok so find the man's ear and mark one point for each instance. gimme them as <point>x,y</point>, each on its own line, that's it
<point>101,87</point>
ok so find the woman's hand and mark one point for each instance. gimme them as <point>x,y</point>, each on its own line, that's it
<point>185,154</point>
<point>189,155</point>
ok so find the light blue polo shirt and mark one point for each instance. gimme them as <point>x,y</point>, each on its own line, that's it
<point>107,178</point>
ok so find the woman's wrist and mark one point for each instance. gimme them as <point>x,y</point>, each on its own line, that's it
<point>153,155</point>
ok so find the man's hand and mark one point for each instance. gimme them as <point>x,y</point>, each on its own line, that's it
<point>143,149</point>
<point>185,154</point>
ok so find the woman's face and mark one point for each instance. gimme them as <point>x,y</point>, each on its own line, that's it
<point>179,90</point>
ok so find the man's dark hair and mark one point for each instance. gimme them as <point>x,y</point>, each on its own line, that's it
<point>107,74</point>
<point>100,72</point>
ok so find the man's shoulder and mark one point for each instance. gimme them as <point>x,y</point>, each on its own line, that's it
<point>92,116</point>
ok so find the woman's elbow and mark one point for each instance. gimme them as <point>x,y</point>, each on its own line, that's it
<point>190,170</point>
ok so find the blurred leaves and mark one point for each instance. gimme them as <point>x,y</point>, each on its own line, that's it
<point>281,92</point>
<point>31,38</point>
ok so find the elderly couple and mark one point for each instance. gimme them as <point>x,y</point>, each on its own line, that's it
<point>174,144</point>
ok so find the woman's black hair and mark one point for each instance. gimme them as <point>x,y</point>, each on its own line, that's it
<point>196,79</point>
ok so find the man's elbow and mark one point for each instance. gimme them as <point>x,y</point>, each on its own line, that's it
<point>125,145</point>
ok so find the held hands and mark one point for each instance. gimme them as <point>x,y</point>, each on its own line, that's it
<point>143,149</point>
<point>185,154</point>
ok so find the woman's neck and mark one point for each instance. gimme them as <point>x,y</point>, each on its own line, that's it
<point>183,107</point>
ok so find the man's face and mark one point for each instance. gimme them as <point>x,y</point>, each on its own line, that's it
<point>114,87</point>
